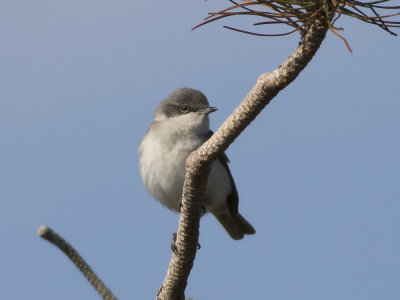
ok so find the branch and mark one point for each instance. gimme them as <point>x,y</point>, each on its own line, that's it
<point>48,234</point>
<point>198,162</point>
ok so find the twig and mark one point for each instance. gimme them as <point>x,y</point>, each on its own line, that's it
<point>48,234</point>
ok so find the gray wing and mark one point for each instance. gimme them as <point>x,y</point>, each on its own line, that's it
<point>233,197</point>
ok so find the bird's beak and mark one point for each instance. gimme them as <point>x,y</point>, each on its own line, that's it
<point>208,110</point>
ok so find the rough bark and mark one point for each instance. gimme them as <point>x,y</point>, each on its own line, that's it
<point>197,164</point>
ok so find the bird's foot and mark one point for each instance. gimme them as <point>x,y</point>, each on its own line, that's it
<point>173,244</point>
<point>203,210</point>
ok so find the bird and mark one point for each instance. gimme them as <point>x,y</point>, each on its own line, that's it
<point>181,125</point>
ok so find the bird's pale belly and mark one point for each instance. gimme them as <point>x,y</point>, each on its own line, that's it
<point>163,174</point>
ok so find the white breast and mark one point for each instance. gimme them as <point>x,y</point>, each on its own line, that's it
<point>162,167</point>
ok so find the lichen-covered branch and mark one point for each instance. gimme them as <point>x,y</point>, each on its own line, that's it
<point>197,164</point>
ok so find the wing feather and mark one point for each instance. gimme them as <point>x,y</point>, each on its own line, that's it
<point>233,197</point>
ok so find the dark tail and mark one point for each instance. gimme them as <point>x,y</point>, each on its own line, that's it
<point>236,225</point>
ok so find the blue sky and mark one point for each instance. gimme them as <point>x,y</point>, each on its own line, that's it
<point>318,172</point>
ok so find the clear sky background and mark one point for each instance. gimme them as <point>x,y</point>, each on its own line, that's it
<point>318,172</point>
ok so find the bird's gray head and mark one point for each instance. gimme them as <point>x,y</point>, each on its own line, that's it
<point>185,104</point>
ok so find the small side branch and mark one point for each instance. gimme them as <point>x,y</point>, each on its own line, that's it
<point>48,234</point>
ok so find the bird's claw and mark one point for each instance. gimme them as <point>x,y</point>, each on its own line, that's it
<point>173,245</point>
<point>203,210</point>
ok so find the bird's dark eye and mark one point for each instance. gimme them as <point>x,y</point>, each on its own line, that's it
<point>184,108</point>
